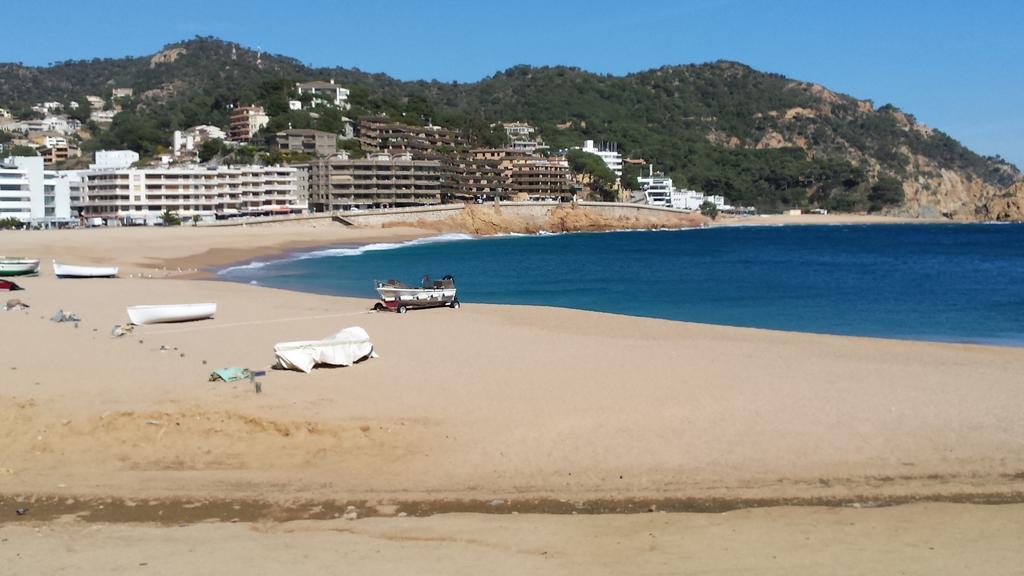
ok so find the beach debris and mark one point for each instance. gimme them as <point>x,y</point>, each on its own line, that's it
<point>121,329</point>
<point>163,348</point>
<point>21,511</point>
<point>256,384</point>
<point>154,422</point>
<point>15,304</point>
<point>496,503</point>
<point>230,374</point>
<point>62,316</point>
<point>351,513</point>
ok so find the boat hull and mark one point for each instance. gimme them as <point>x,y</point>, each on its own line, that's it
<point>19,267</point>
<point>160,313</point>
<point>416,297</point>
<point>70,271</point>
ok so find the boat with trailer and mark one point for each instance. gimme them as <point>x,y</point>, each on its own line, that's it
<point>430,294</point>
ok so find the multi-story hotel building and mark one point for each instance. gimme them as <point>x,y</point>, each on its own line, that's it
<point>522,174</point>
<point>540,178</point>
<point>246,121</point>
<point>140,195</point>
<point>378,181</point>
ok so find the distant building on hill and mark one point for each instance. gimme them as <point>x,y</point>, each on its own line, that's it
<point>312,142</point>
<point>521,137</point>
<point>113,159</point>
<point>57,153</point>
<point>122,92</point>
<point>324,93</point>
<point>382,134</point>
<point>246,121</point>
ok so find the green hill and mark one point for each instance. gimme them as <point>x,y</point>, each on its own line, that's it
<point>757,138</point>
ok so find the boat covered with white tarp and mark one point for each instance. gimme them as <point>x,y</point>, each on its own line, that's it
<point>342,349</point>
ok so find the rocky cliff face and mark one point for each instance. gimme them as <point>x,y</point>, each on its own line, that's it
<point>938,179</point>
<point>488,220</point>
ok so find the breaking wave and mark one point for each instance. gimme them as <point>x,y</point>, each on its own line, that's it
<point>348,251</point>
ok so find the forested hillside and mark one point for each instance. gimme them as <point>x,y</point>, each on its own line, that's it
<point>759,139</point>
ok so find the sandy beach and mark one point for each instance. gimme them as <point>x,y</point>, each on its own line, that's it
<point>495,409</point>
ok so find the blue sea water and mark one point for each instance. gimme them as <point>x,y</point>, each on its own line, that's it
<point>945,282</point>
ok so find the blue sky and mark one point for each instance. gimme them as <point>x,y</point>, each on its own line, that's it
<point>957,66</point>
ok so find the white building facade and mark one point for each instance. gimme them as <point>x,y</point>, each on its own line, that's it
<point>33,195</point>
<point>113,159</point>
<point>659,191</point>
<point>141,195</point>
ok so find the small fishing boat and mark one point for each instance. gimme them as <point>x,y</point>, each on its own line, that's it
<point>398,297</point>
<point>16,266</point>
<point>8,286</point>
<point>155,314</point>
<point>71,271</point>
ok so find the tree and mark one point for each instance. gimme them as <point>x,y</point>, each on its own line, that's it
<point>888,191</point>
<point>352,146</point>
<point>11,224</point>
<point>170,218</point>
<point>210,149</point>
<point>19,150</point>
<point>602,178</point>
<point>709,209</point>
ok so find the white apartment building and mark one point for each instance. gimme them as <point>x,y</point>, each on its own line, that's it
<point>114,159</point>
<point>659,191</point>
<point>327,93</point>
<point>609,154</point>
<point>141,195</point>
<point>32,195</point>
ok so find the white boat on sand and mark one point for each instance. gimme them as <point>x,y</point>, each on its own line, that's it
<point>342,349</point>
<point>157,313</point>
<point>71,271</point>
<point>17,266</point>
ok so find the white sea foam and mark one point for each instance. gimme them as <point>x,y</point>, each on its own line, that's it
<point>353,251</point>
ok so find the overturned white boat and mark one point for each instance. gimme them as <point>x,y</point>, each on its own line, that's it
<point>17,266</point>
<point>72,271</point>
<point>155,314</point>
<point>342,349</point>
